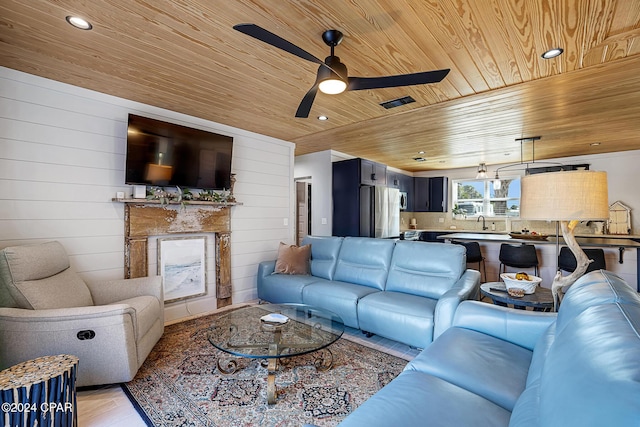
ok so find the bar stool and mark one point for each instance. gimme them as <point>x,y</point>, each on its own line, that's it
<point>474,255</point>
<point>567,261</point>
<point>518,256</point>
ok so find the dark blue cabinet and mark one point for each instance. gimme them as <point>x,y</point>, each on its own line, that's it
<point>430,194</point>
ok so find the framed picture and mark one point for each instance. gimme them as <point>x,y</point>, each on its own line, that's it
<point>182,265</point>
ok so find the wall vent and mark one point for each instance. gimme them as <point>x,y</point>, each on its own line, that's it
<point>397,102</point>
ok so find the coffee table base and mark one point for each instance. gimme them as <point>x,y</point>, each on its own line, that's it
<point>322,361</point>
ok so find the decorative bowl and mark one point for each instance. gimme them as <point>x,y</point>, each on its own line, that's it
<point>516,292</point>
<point>529,286</point>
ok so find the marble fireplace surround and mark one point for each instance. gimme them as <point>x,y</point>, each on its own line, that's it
<point>145,218</point>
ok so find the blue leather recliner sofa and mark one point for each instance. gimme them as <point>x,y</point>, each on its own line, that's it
<point>503,367</point>
<point>407,291</point>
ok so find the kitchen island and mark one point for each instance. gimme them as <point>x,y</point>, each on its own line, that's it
<point>619,258</point>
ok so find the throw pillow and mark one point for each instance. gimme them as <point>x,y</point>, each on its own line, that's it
<point>293,259</point>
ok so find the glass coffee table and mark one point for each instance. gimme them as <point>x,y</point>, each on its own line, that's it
<point>272,332</point>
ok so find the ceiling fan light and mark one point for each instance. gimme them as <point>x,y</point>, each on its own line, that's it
<point>332,86</point>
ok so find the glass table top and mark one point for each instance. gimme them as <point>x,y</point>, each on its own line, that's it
<point>247,333</point>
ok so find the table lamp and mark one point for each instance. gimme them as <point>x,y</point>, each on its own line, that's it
<point>567,197</point>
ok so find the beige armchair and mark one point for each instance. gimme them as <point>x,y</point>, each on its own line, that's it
<point>47,309</point>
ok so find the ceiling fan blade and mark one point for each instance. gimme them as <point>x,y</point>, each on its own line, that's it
<point>360,83</point>
<point>276,41</point>
<point>305,105</point>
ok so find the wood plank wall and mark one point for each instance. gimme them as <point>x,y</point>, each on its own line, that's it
<point>62,154</point>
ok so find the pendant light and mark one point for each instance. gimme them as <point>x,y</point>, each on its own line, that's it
<point>482,171</point>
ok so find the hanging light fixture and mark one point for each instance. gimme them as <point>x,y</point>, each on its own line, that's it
<point>482,171</point>
<point>497,183</point>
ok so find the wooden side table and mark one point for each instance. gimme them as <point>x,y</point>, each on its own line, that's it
<point>540,300</point>
<point>40,392</point>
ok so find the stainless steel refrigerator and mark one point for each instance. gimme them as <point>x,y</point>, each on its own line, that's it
<point>379,211</point>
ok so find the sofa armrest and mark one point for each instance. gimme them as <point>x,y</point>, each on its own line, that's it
<point>520,327</point>
<point>466,287</point>
<point>112,291</point>
<point>266,268</point>
<point>51,316</point>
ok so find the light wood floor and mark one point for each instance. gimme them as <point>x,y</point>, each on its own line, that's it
<point>108,406</point>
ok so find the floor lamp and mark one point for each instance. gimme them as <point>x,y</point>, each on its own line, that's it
<point>567,197</point>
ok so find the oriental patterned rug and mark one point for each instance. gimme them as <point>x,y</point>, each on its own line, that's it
<point>179,384</point>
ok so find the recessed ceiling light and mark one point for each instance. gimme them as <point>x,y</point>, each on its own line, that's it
<point>323,118</point>
<point>595,144</point>
<point>552,53</point>
<point>78,22</point>
<point>419,159</point>
<point>420,152</point>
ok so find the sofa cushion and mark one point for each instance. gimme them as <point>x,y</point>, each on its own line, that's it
<point>425,269</point>
<point>418,399</point>
<point>596,287</point>
<point>592,373</point>
<point>293,259</point>
<point>338,297</point>
<point>324,254</point>
<point>484,365</point>
<point>364,261</point>
<point>398,316</point>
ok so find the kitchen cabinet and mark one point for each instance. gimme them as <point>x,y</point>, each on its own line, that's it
<point>430,194</point>
<point>372,173</point>
<point>406,186</point>
<point>359,197</point>
<point>404,183</point>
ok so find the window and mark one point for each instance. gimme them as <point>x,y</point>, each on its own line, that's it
<point>478,197</point>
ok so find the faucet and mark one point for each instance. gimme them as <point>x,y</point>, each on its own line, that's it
<point>484,226</point>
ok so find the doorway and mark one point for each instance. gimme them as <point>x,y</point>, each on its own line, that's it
<point>303,208</point>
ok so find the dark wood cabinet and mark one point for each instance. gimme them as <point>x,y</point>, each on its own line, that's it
<point>346,197</point>
<point>430,194</point>
<point>372,173</point>
<point>406,186</point>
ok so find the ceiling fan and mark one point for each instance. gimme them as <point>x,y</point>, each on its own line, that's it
<point>332,77</point>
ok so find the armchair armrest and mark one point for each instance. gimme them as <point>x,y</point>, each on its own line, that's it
<point>49,316</point>
<point>520,327</point>
<point>110,291</point>
<point>465,288</point>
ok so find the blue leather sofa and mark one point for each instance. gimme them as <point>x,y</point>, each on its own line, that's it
<point>403,290</point>
<point>504,367</point>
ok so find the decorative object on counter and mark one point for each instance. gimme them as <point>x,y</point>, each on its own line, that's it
<point>619,221</point>
<point>567,197</point>
<point>528,283</point>
<point>528,235</point>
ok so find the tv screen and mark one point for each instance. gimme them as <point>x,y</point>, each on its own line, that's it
<point>165,154</point>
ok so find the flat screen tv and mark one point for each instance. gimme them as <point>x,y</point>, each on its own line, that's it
<point>165,154</point>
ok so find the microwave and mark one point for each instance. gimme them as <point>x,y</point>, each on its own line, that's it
<point>402,200</point>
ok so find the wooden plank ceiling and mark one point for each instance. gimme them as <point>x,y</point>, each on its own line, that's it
<point>183,55</point>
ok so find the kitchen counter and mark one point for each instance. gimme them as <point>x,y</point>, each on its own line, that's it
<point>603,241</point>
<point>506,233</point>
<point>600,242</point>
